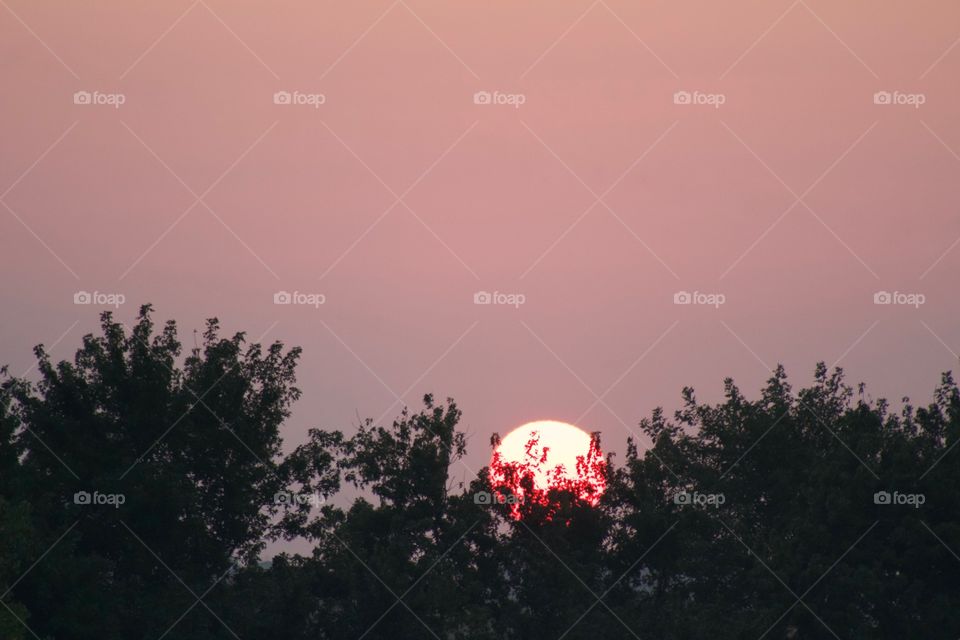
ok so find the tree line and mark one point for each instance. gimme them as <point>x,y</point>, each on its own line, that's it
<point>140,484</point>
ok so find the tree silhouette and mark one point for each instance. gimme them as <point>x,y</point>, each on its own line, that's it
<point>189,449</point>
<point>814,513</point>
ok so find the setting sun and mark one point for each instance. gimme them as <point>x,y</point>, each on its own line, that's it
<point>552,455</point>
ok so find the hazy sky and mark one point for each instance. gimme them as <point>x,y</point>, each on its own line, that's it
<point>778,187</point>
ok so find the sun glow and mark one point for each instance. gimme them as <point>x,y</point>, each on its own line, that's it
<point>540,456</point>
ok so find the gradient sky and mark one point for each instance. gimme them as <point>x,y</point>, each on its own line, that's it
<point>597,199</point>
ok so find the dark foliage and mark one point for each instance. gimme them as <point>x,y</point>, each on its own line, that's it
<point>138,489</point>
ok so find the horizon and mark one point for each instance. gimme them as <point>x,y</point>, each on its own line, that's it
<point>351,154</point>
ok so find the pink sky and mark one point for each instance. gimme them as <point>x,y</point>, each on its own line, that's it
<point>597,199</point>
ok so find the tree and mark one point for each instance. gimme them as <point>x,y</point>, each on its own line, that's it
<point>798,477</point>
<point>138,489</point>
<point>16,530</point>
<point>404,543</point>
<point>158,475</point>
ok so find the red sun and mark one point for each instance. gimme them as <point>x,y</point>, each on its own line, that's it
<point>545,455</point>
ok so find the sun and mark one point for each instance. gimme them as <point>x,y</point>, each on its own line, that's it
<point>543,455</point>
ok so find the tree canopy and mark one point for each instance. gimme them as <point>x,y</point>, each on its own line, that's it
<point>139,486</point>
